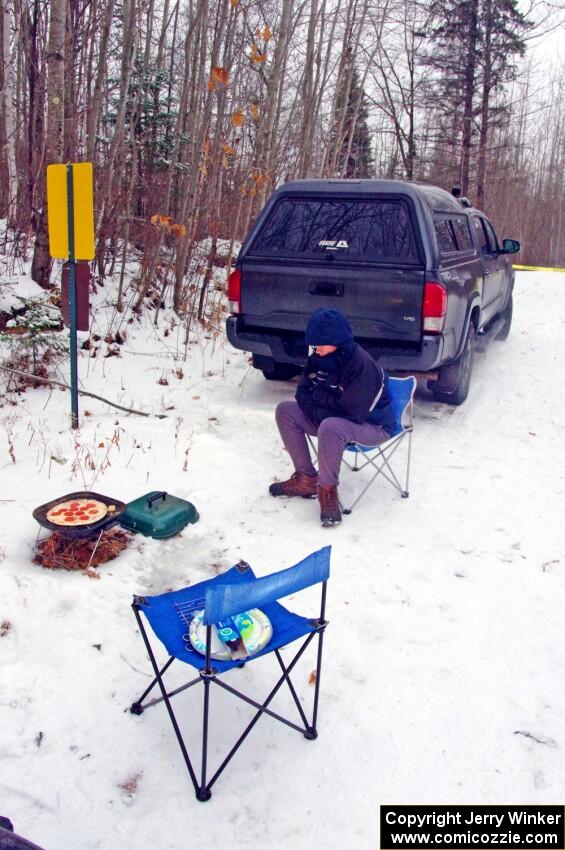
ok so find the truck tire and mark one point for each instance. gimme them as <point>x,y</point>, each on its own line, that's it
<point>506,317</point>
<point>455,379</point>
<point>281,372</point>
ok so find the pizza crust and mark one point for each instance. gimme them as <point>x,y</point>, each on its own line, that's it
<point>77,512</point>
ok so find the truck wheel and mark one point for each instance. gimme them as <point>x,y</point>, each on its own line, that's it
<point>455,379</point>
<point>506,317</point>
<point>281,372</point>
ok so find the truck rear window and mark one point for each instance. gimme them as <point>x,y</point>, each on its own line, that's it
<point>375,230</point>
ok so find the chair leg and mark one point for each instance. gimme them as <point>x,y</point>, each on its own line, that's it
<point>381,464</point>
<point>313,731</point>
<point>292,690</point>
<point>261,708</point>
<point>203,793</point>
<point>405,494</point>
<point>137,707</point>
<point>166,698</point>
<point>321,624</point>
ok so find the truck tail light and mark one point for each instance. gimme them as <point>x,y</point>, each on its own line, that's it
<point>435,307</point>
<point>234,292</point>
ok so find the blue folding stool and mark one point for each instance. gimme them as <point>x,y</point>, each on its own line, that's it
<point>379,457</point>
<point>231,593</point>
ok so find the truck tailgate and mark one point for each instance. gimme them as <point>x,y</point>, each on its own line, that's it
<point>383,303</point>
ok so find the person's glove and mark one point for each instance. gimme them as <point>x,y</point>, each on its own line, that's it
<point>305,400</point>
<point>322,395</point>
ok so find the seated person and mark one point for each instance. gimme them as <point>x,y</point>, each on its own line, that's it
<point>342,397</point>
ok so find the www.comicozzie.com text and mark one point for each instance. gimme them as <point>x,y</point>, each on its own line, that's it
<point>477,819</point>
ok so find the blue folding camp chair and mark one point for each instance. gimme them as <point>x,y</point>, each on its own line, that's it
<point>379,457</point>
<point>172,617</point>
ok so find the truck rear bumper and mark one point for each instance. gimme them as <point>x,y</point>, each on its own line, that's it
<point>265,344</point>
<point>427,359</point>
<point>268,345</point>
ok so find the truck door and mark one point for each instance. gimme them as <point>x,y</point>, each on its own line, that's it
<point>493,271</point>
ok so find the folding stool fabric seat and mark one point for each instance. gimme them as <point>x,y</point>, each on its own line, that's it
<point>226,595</point>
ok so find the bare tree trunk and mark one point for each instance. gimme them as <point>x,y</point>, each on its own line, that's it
<point>359,102</point>
<point>308,114</point>
<point>127,64</point>
<point>329,156</point>
<point>470,66</point>
<point>352,51</point>
<point>188,87</point>
<point>41,264</point>
<point>485,103</point>
<point>35,129</point>
<point>7,117</point>
<point>191,202</point>
<point>95,103</point>
<point>72,83</point>
<point>270,113</point>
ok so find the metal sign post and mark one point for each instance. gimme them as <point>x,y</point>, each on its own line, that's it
<point>72,296</point>
<point>70,210</point>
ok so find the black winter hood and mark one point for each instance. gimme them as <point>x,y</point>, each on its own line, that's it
<point>329,327</point>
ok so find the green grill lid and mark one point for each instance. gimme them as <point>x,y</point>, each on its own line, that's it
<point>158,514</point>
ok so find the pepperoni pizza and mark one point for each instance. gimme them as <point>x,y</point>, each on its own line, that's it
<point>78,512</point>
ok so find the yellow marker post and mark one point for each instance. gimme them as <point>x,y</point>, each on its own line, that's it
<point>70,216</point>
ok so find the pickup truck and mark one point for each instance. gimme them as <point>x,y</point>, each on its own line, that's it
<point>418,272</point>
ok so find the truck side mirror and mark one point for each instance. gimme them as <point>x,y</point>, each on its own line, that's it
<point>510,246</point>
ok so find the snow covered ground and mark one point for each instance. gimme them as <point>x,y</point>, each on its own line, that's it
<point>443,678</point>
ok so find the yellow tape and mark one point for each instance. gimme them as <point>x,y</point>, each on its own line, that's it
<point>537,269</point>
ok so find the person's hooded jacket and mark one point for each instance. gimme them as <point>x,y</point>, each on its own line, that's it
<point>347,383</point>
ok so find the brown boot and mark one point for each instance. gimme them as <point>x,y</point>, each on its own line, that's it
<point>330,512</point>
<point>299,484</point>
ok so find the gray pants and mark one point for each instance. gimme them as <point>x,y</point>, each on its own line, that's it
<point>333,435</point>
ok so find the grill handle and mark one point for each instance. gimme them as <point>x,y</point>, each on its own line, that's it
<point>162,495</point>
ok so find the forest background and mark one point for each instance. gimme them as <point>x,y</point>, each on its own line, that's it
<point>192,112</point>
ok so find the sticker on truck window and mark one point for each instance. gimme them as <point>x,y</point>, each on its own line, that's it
<point>332,244</point>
